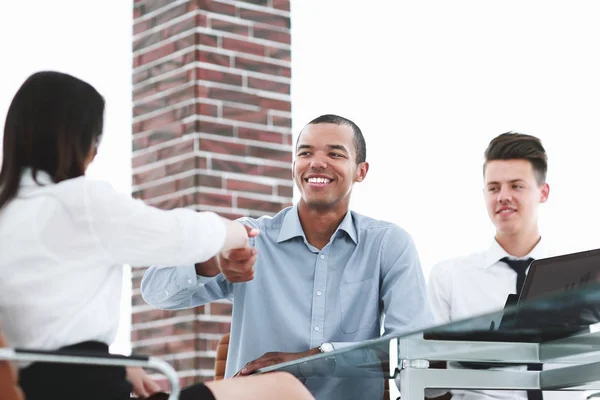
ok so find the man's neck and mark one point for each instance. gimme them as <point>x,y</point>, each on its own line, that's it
<point>319,225</point>
<point>519,245</point>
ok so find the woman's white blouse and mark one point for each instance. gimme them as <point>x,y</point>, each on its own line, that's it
<point>62,248</point>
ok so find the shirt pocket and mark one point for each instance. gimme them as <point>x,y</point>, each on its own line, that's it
<point>359,305</point>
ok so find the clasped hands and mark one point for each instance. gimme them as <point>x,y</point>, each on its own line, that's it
<point>237,265</point>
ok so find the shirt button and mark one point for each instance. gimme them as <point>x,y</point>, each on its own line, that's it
<point>189,281</point>
<point>322,256</point>
<point>167,292</point>
<point>316,329</point>
<point>318,292</point>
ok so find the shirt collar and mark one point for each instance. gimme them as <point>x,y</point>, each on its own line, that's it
<point>42,178</point>
<point>495,252</point>
<point>291,226</point>
<point>347,225</point>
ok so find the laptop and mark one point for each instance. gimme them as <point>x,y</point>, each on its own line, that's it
<point>555,275</point>
<point>561,274</point>
<point>546,276</point>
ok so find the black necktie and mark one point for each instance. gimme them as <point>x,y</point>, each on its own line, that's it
<point>520,267</point>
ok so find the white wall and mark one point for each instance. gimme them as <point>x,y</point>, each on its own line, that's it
<point>432,82</point>
<point>90,40</point>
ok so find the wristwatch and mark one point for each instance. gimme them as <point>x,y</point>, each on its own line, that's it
<point>326,347</point>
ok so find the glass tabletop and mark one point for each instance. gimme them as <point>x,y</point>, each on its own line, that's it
<point>558,328</point>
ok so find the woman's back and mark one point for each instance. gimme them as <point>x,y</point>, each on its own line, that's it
<point>63,246</point>
<point>57,284</point>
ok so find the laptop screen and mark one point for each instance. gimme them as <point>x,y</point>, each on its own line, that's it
<point>561,274</point>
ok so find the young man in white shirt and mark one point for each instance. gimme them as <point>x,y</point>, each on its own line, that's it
<point>514,187</point>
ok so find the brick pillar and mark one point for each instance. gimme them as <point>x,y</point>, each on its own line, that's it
<point>211,131</point>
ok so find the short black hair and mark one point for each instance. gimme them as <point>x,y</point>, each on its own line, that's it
<point>52,123</point>
<point>519,146</point>
<point>359,140</point>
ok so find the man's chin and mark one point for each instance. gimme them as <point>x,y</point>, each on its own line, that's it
<point>507,229</point>
<point>318,204</point>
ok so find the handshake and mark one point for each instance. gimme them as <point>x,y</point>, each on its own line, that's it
<point>237,258</point>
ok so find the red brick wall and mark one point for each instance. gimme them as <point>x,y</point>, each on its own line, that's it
<point>211,131</point>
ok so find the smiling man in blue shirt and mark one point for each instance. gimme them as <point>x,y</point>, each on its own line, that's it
<point>318,276</point>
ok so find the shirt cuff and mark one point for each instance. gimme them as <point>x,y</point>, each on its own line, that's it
<point>161,285</point>
<point>186,277</point>
<point>204,279</point>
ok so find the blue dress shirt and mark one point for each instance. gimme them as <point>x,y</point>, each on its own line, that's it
<point>301,296</point>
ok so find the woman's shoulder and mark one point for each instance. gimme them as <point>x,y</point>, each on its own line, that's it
<point>84,191</point>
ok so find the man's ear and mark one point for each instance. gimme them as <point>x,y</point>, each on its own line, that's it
<point>361,171</point>
<point>545,192</point>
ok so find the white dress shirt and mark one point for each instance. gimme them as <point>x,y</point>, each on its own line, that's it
<point>62,248</point>
<point>478,284</point>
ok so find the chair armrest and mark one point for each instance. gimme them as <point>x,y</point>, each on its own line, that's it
<point>89,358</point>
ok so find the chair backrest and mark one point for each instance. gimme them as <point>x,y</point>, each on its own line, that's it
<point>221,358</point>
<point>9,388</point>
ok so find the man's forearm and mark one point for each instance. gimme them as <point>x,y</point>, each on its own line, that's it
<point>208,268</point>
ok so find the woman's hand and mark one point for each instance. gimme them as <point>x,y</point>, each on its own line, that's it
<point>143,385</point>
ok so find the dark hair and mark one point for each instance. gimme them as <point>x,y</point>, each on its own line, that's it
<point>359,140</point>
<point>52,123</point>
<point>519,146</point>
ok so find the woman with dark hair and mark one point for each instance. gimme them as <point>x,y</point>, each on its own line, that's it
<point>64,239</point>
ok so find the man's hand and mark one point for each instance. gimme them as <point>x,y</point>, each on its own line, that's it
<point>273,358</point>
<point>143,385</point>
<point>238,265</point>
